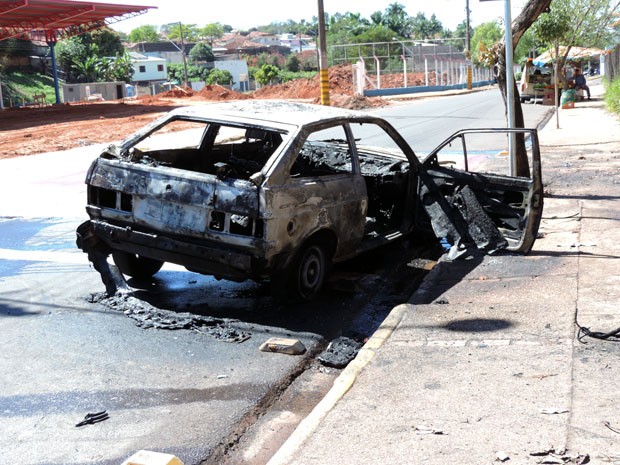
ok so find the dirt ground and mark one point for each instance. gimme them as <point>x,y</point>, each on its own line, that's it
<point>27,131</point>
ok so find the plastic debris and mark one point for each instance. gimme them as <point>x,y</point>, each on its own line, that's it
<point>502,456</point>
<point>283,346</point>
<point>147,457</point>
<point>553,411</point>
<point>92,418</point>
<point>428,430</point>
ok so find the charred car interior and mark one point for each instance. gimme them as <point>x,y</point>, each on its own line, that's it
<point>278,191</point>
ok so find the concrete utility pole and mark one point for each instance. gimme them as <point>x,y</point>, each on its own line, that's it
<point>323,70</point>
<point>468,46</point>
<point>510,84</point>
<point>186,83</point>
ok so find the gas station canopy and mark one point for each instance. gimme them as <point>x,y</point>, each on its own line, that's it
<point>52,20</point>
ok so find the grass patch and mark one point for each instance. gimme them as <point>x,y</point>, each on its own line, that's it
<point>612,96</point>
<point>20,87</point>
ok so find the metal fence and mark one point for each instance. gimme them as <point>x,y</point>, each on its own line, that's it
<point>407,63</point>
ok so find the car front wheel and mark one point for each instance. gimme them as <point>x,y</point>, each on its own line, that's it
<point>136,266</point>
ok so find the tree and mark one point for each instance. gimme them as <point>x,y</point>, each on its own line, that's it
<point>266,74</point>
<point>458,38</point>
<point>344,28</point>
<point>211,32</point>
<point>497,57</point>
<point>68,52</point>
<point>191,33</point>
<point>201,52</point>
<point>93,57</point>
<point>176,72</point>
<point>87,70</point>
<point>107,41</point>
<point>423,28</point>
<point>219,76</point>
<point>121,68</point>
<point>487,35</point>
<point>396,18</point>
<point>145,33</point>
<point>583,23</point>
<point>379,33</point>
<point>292,63</point>
<point>528,45</point>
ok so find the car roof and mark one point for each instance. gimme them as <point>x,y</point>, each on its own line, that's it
<point>268,111</point>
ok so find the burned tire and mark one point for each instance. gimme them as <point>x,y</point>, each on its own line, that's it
<point>136,266</point>
<point>309,271</point>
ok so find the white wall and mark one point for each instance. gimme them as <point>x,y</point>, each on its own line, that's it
<point>150,72</point>
<point>234,67</point>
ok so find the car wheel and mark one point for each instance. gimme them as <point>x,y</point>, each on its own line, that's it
<point>136,266</point>
<point>310,271</point>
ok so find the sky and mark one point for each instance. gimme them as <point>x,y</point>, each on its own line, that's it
<point>245,14</point>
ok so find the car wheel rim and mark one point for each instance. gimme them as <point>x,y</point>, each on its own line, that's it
<point>311,271</point>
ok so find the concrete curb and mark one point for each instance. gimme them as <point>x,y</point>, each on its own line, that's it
<point>344,382</point>
<point>341,385</point>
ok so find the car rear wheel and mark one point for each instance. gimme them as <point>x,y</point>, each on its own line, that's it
<point>136,266</point>
<point>310,271</point>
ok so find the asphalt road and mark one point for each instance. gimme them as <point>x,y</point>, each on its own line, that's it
<point>184,392</point>
<point>426,122</point>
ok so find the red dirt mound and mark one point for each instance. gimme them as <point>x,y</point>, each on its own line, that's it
<point>340,82</point>
<point>217,92</point>
<point>177,92</point>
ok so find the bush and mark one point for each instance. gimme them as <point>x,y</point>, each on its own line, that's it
<point>612,96</point>
<point>220,76</point>
<point>201,52</point>
<point>266,74</point>
<point>289,76</point>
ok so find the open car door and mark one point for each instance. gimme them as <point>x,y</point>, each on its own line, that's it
<point>471,197</point>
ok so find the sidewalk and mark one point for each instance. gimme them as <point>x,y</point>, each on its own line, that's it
<point>483,365</point>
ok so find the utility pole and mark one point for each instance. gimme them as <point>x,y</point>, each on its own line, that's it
<point>186,83</point>
<point>510,83</point>
<point>323,70</point>
<point>468,47</point>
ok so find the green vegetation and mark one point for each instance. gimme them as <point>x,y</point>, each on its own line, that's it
<point>176,73</point>
<point>577,23</point>
<point>612,96</point>
<point>266,74</point>
<point>87,57</point>
<point>201,52</point>
<point>285,76</point>
<point>20,87</point>
<point>145,33</point>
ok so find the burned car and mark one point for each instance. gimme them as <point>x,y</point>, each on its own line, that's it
<point>273,190</point>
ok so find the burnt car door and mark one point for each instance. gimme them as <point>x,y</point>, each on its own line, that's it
<point>470,192</point>
<point>320,189</point>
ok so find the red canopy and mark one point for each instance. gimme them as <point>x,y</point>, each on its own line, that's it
<point>51,20</point>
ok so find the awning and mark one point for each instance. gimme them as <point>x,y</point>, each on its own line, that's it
<point>575,53</point>
<point>50,20</point>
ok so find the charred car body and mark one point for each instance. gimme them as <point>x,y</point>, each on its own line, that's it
<point>270,190</point>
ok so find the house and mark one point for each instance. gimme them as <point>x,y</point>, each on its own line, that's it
<point>297,42</point>
<point>167,50</point>
<point>251,44</point>
<point>148,69</point>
